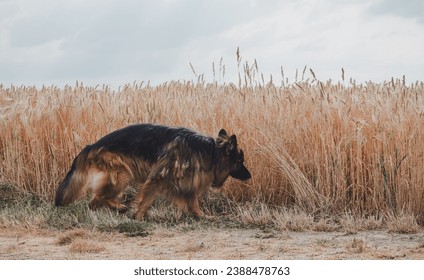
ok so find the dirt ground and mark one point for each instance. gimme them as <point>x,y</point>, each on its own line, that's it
<point>18,244</point>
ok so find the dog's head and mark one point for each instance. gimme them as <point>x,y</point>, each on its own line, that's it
<point>233,156</point>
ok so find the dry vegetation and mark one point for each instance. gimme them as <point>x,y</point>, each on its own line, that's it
<point>318,148</point>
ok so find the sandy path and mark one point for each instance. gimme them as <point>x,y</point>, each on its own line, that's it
<point>209,244</point>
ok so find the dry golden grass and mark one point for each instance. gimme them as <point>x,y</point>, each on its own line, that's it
<point>352,224</point>
<point>68,237</point>
<point>321,147</point>
<point>357,246</point>
<point>402,223</point>
<point>84,246</point>
<point>76,239</point>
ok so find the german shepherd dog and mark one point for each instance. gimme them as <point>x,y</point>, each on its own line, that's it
<point>173,162</point>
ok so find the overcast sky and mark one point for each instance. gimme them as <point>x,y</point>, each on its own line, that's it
<point>117,42</point>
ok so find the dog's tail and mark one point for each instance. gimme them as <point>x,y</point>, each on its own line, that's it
<point>74,185</point>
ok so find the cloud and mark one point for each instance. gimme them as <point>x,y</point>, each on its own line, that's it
<point>117,42</point>
<point>329,35</point>
<point>407,9</point>
<point>92,40</point>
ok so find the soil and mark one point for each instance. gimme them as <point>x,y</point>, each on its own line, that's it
<point>214,243</point>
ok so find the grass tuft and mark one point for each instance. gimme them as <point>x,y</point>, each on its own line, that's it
<point>402,223</point>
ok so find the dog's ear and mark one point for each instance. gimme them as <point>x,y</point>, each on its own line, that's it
<point>241,155</point>
<point>231,144</point>
<point>222,133</point>
<point>222,137</point>
<point>233,140</point>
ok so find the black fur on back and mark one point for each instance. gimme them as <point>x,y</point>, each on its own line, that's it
<point>148,140</point>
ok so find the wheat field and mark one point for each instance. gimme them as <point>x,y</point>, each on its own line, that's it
<point>327,147</point>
